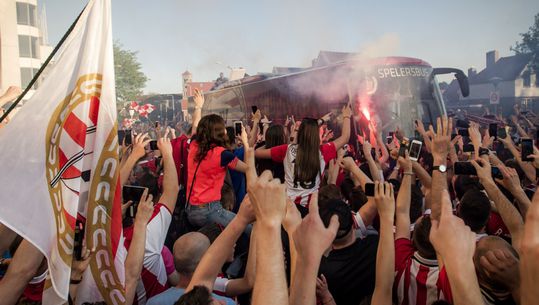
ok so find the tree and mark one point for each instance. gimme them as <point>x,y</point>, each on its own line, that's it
<point>130,80</point>
<point>530,45</point>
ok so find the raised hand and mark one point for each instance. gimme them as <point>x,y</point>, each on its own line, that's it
<point>322,291</point>
<point>198,99</point>
<point>451,238</point>
<point>511,180</point>
<point>292,219</point>
<point>441,139</point>
<point>384,197</point>
<point>347,111</point>
<point>257,116</point>
<point>164,146</point>
<point>246,212</point>
<point>145,208</point>
<point>483,169</point>
<point>267,195</point>
<point>405,163</point>
<point>312,238</point>
<point>139,145</point>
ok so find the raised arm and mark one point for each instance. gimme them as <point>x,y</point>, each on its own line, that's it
<point>440,149</point>
<point>311,239</point>
<point>254,131</point>
<point>171,186</point>
<point>197,114</point>
<point>268,198</point>
<point>509,213</point>
<point>404,197</point>
<point>529,257</point>
<point>373,168</point>
<point>345,130</point>
<point>511,182</point>
<point>138,151</point>
<point>528,168</point>
<point>422,175</point>
<point>214,258</point>
<point>245,284</point>
<point>135,255</point>
<point>385,256</point>
<point>454,243</point>
<point>22,269</point>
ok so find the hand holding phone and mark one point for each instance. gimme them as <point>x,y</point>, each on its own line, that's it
<point>238,125</point>
<point>415,150</point>
<point>132,193</point>
<point>526,148</point>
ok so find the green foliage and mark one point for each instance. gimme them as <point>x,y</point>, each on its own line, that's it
<point>530,44</point>
<point>130,80</point>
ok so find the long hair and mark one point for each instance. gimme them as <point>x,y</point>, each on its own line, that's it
<point>210,133</point>
<point>308,153</point>
<point>275,136</point>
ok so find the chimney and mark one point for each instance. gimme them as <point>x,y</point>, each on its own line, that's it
<point>492,58</point>
<point>472,72</point>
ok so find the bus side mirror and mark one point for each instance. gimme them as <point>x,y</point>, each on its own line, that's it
<point>461,78</point>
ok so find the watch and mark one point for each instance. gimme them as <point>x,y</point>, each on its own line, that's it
<point>442,168</point>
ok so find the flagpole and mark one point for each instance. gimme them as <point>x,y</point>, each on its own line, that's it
<point>38,74</point>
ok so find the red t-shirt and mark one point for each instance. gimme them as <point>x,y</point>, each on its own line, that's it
<point>211,173</point>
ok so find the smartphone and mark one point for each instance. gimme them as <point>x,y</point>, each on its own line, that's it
<point>79,236</point>
<point>502,133</point>
<point>415,150</point>
<point>453,136</point>
<point>254,109</point>
<point>156,124</point>
<point>125,134</point>
<point>468,148</point>
<point>462,124</point>
<point>237,127</point>
<point>153,145</point>
<point>369,189</point>
<point>493,130</point>
<point>132,193</point>
<point>402,150</point>
<point>463,132</point>
<point>526,148</point>
<point>466,168</point>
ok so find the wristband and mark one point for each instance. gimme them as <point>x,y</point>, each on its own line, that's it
<point>408,173</point>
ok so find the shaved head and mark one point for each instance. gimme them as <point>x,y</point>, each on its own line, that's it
<point>188,250</point>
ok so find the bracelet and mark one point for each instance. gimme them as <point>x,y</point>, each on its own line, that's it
<point>75,282</point>
<point>408,173</point>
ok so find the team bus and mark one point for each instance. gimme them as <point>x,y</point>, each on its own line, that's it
<point>394,91</point>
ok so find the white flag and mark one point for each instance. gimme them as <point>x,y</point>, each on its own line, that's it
<point>60,163</point>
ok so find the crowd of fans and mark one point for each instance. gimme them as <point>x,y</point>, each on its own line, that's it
<point>282,215</point>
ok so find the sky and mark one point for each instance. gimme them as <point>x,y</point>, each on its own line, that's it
<point>206,36</point>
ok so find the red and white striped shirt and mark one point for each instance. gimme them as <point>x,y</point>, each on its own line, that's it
<point>301,192</point>
<point>153,279</point>
<point>418,280</point>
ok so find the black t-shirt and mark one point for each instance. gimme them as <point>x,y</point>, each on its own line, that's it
<point>350,272</point>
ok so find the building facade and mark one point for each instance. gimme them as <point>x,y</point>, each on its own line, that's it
<point>505,82</point>
<point>23,43</point>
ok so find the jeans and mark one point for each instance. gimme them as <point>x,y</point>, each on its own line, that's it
<point>211,212</point>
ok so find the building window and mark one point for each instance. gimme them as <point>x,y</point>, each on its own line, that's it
<point>26,14</point>
<point>28,46</point>
<point>26,77</point>
<point>526,76</point>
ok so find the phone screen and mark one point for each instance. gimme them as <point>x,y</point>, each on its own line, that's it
<point>502,133</point>
<point>124,134</point>
<point>369,189</point>
<point>493,130</point>
<point>415,150</point>
<point>132,192</point>
<point>237,128</point>
<point>254,109</point>
<point>153,145</point>
<point>527,149</point>
<point>464,168</point>
<point>464,132</point>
